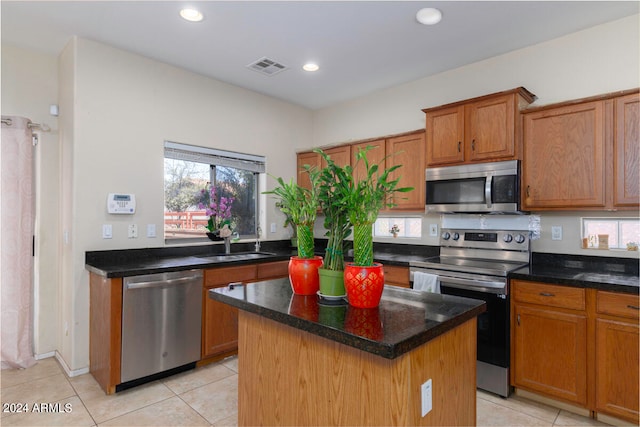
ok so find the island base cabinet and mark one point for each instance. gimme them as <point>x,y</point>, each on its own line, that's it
<point>290,377</point>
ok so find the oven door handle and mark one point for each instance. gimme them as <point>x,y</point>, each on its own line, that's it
<point>474,285</point>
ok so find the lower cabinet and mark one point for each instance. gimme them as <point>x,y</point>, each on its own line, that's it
<point>617,343</point>
<point>219,320</point>
<point>396,276</point>
<point>576,345</point>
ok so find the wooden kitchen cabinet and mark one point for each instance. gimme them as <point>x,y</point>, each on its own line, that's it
<point>220,321</point>
<point>376,155</point>
<point>395,275</point>
<point>340,155</point>
<point>408,151</point>
<point>617,357</point>
<point>476,130</point>
<point>582,154</point>
<point>626,151</point>
<point>549,348</point>
<point>306,158</point>
<point>577,345</point>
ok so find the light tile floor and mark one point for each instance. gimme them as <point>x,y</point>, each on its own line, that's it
<point>206,396</point>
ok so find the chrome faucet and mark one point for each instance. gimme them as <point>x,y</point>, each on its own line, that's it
<point>227,245</point>
<point>258,233</point>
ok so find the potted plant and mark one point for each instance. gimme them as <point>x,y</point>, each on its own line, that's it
<point>301,204</point>
<point>364,279</point>
<point>218,210</point>
<point>333,192</point>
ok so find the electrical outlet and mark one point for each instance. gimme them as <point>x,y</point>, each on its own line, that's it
<point>427,397</point>
<point>556,232</point>
<point>273,227</point>
<point>433,230</point>
<point>133,231</point>
<point>107,231</point>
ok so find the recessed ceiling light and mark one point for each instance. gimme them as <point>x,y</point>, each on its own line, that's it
<point>192,15</point>
<point>429,16</point>
<point>310,66</point>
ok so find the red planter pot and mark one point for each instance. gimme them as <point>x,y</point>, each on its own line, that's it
<point>303,275</point>
<point>304,306</point>
<point>364,285</point>
<point>364,322</point>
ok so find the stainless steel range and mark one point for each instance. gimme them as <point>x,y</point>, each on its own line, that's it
<point>475,264</point>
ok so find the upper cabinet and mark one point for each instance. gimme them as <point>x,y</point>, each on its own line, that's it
<point>476,130</point>
<point>626,151</point>
<point>408,151</point>
<point>582,155</point>
<point>341,155</point>
<point>307,158</point>
<point>375,155</point>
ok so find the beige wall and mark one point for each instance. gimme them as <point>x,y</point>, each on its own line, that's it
<point>117,108</point>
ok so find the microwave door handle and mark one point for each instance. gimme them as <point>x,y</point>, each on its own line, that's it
<point>487,190</point>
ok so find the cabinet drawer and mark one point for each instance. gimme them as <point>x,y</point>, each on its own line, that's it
<point>396,275</point>
<point>273,269</point>
<point>226,275</point>
<point>549,295</point>
<point>615,304</point>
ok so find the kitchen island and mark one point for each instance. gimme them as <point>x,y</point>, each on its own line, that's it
<point>306,361</point>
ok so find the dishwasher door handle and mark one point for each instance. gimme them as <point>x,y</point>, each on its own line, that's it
<point>161,283</point>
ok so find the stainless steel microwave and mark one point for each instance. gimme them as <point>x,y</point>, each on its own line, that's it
<point>480,187</point>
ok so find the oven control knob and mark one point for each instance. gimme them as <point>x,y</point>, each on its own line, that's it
<point>508,238</point>
<point>446,235</point>
<point>520,238</point>
<point>456,236</point>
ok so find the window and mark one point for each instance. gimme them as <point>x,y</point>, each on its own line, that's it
<point>403,227</point>
<point>614,233</point>
<point>188,170</point>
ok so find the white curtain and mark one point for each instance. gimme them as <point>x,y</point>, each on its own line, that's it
<point>16,228</point>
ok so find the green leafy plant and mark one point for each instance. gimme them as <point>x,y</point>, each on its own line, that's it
<point>367,196</point>
<point>301,205</point>
<point>333,192</point>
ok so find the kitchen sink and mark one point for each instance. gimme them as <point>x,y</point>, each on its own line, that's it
<point>236,256</point>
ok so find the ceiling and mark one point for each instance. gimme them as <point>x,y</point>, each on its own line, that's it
<point>360,46</point>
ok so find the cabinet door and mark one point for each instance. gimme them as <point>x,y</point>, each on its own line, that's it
<point>219,320</point>
<point>626,147</point>
<point>445,136</point>
<point>617,362</point>
<point>340,155</point>
<point>563,157</point>
<point>490,128</point>
<point>408,151</point>
<point>550,352</point>
<point>311,159</point>
<point>375,155</point>
<point>396,276</point>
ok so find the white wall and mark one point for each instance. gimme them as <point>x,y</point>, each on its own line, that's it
<point>33,87</point>
<point>598,60</point>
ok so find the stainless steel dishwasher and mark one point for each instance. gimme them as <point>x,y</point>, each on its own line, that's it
<point>161,323</point>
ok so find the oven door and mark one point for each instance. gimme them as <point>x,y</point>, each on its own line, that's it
<point>493,324</point>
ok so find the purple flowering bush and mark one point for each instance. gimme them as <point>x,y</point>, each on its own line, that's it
<point>218,210</point>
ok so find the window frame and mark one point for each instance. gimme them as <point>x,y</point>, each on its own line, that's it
<point>618,226</point>
<point>217,158</point>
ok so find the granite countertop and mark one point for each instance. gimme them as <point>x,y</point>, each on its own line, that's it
<point>404,320</point>
<point>608,274</point>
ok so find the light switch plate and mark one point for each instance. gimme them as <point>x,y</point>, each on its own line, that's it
<point>433,230</point>
<point>556,232</point>
<point>107,231</point>
<point>133,231</point>
<point>151,230</point>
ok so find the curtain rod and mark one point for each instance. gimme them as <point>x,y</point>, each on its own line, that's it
<point>30,125</point>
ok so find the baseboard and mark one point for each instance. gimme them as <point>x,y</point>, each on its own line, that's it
<point>608,419</point>
<point>552,402</point>
<point>70,373</point>
<point>45,355</point>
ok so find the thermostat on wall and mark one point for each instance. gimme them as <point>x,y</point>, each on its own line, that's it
<point>121,203</point>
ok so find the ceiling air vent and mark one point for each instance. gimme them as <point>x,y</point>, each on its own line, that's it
<point>267,66</point>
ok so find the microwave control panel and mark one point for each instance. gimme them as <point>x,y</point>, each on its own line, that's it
<point>121,203</point>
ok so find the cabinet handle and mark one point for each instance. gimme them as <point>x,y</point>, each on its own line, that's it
<point>633,307</point>
<point>473,145</point>
<point>547,294</point>
<point>459,145</point>
<point>518,319</point>
<point>528,192</point>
